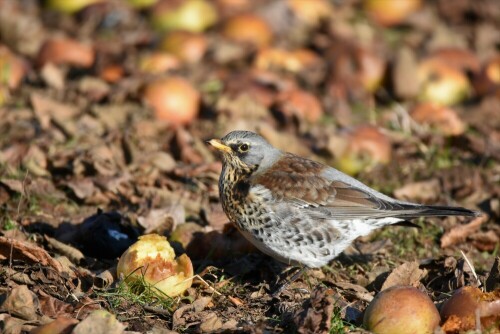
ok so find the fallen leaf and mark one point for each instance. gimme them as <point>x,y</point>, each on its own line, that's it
<point>71,252</point>
<point>407,273</point>
<point>61,325</point>
<point>11,325</point>
<point>315,316</point>
<point>25,251</point>
<point>99,321</point>
<point>210,323</point>
<point>485,241</point>
<point>46,110</point>
<point>493,279</point>
<point>52,75</point>
<point>53,307</point>
<point>198,305</point>
<point>82,188</point>
<point>22,302</point>
<point>163,220</point>
<point>460,233</point>
<point>235,301</point>
<point>422,192</point>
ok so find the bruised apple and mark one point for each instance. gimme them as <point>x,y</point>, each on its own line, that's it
<point>469,307</point>
<point>153,258</point>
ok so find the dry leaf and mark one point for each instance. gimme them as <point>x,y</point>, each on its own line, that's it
<point>61,325</point>
<point>315,317</point>
<point>422,192</point>
<point>25,251</point>
<point>210,323</point>
<point>82,188</point>
<point>53,307</point>
<point>408,273</point>
<point>163,220</point>
<point>71,252</point>
<point>459,233</point>
<point>99,321</point>
<point>47,110</point>
<point>22,302</point>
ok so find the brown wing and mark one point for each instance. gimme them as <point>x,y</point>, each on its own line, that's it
<point>301,182</point>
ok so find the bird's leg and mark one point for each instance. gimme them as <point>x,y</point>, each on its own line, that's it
<point>289,281</point>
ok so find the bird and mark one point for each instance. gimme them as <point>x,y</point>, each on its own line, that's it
<point>299,211</point>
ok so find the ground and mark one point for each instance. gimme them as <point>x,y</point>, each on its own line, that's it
<point>104,114</point>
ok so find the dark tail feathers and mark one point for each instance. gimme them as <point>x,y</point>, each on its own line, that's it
<point>440,211</point>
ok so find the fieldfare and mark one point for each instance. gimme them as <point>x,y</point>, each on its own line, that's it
<point>300,211</point>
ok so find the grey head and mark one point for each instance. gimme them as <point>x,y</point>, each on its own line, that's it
<point>246,149</point>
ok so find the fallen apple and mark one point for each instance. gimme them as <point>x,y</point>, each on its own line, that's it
<point>401,309</point>
<point>469,307</point>
<point>153,259</point>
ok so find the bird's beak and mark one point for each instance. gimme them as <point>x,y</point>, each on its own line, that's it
<point>219,146</point>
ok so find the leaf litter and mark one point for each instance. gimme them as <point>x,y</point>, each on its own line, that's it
<point>86,167</point>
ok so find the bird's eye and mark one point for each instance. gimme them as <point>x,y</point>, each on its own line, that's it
<point>244,147</point>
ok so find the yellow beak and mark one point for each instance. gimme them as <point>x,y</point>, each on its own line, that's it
<point>219,146</point>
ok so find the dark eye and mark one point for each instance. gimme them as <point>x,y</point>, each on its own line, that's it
<point>244,147</point>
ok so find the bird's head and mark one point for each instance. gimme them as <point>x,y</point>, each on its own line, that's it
<point>246,151</point>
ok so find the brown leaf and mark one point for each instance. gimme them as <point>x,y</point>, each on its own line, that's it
<point>405,67</point>
<point>360,292</point>
<point>162,220</point>
<point>52,75</point>
<point>22,303</point>
<point>485,241</point>
<point>459,233</point>
<point>18,277</point>
<point>11,325</point>
<point>198,305</point>
<point>14,185</point>
<point>493,280</point>
<point>235,301</point>
<point>422,192</point>
<point>216,217</point>
<point>71,252</point>
<point>53,307</point>
<point>210,323</point>
<point>315,317</point>
<point>408,273</point>
<point>47,110</point>
<point>82,188</point>
<point>61,325</point>
<point>100,321</point>
<point>20,250</point>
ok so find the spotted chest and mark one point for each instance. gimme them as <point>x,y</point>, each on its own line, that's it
<point>242,204</point>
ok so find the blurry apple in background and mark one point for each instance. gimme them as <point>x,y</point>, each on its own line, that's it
<point>360,148</point>
<point>70,6</point>
<point>188,15</point>
<point>488,79</point>
<point>12,68</point>
<point>66,51</point>
<point>441,83</point>
<point>249,29</point>
<point>390,12</point>
<point>187,46</point>
<point>443,119</point>
<point>158,62</point>
<point>173,99</point>
<point>310,12</point>
<point>141,3</point>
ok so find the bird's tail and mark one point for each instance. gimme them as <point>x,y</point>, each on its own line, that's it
<point>438,211</point>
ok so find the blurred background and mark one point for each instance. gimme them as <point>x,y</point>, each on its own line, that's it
<point>107,104</point>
